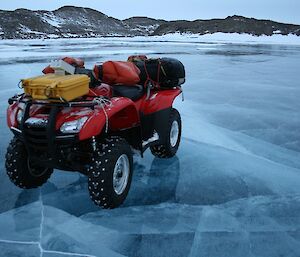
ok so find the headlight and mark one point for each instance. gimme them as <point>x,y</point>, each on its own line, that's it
<point>20,115</point>
<point>73,126</point>
<point>20,112</point>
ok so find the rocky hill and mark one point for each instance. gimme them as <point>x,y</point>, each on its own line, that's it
<point>143,25</point>
<point>70,21</point>
<point>231,24</point>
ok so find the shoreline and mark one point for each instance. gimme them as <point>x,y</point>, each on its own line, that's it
<point>224,38</point>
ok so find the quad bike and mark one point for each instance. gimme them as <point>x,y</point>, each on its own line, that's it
<point>95,135</point>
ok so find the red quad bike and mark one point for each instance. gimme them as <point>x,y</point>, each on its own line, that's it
<point>97,134</point>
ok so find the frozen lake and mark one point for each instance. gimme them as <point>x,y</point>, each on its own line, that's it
<point>232,190</point>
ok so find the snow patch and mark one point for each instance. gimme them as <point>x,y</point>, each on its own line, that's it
<point>154,138</point>
<point>24,29</point>
<point>52,20</point>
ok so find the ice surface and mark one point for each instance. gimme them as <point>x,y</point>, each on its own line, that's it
<point>233,189</point>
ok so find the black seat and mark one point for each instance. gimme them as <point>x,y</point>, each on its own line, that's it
<point>133,92</point>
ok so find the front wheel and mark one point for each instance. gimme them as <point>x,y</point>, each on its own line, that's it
<point>110,173</point>
<point>170,147</point>
<point>20,170</point>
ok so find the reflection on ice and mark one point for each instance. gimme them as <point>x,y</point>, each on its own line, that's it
<point>155,185</point>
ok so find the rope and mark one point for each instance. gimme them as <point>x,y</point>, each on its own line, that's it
<point>153,82</point>
<point>158,73</point>
<point>149,81</point>
<point>103,102</point>
<point>91,91</point>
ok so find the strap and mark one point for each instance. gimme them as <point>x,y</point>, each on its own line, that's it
<point>149,80</point>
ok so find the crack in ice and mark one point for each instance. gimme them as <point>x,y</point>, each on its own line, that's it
<point>41,236</point>
<point>69,254</point>
<point>42,250</point>
<point>18,242</point>
<point>39,243</point>
<point>41,224</point>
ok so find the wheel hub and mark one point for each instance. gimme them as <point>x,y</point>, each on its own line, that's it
<point>174,133</point>
<point>121,174</point>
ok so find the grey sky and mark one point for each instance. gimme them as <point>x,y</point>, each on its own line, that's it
<point>280,10</point>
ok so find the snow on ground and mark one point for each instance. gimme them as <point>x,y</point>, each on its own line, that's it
<point>233,189</point>
<point>232,38</point>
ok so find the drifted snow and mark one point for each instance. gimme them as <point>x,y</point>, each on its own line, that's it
<point>25,29</point>
<point>52,19</point>
<point>233,189</point>
<point>154,138</point>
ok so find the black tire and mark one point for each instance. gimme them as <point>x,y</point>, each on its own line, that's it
<point>19,170</point>
<point>168,150</point>
<point>101,173</point>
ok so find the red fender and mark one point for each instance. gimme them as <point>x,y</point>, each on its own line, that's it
<point>11,115</point>
<point>12,110</point>
<point>122,114</point>
<point>158,100</point>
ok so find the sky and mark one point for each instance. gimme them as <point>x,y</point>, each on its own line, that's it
<point>278,10</point>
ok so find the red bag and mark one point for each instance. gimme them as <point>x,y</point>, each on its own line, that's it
<point>73,61</point>
<point>117,72</point>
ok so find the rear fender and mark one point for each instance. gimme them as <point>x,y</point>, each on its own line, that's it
<point>160,100</point>
<point>121,114</point>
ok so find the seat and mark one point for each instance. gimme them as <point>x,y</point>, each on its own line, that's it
<point>133,92</point>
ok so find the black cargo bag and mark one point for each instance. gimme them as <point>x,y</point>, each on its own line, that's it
<point>94,82</point>
<point>163,72</point>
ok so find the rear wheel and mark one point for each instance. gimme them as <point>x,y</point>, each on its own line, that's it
<point>110,173</point>
<point>21,171</point>
<point>173,133</point>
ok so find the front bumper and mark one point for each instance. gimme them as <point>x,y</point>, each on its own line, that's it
<point>39,140</point>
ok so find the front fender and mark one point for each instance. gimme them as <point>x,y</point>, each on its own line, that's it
<point>121,114</point>
<point>11,115</point>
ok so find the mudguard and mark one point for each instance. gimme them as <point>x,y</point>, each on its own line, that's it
<point>155,113</point>
<point>121,114</point>
<point>12,110</point>
<point>11,115</point>
<point>159,100</point>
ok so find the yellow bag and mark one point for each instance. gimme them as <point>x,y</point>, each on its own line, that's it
<point>54,87</point>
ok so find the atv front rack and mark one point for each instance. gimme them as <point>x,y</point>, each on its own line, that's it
<point>30,101</point>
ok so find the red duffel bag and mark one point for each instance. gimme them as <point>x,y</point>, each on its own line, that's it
<point>117,72</point>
